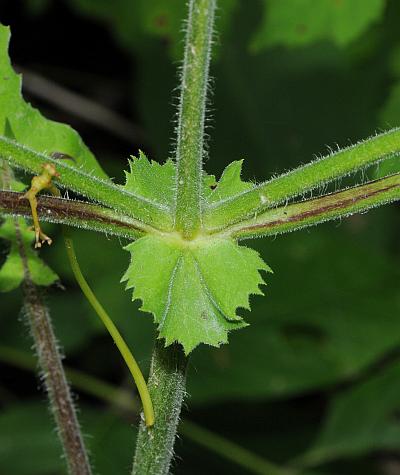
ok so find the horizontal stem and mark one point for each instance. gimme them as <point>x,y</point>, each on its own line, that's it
<point>74,213</point>
<point>94,188</point>
<point>310,212</point>
<point>302,179</point>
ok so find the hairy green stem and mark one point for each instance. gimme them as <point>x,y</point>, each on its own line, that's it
<point>302,179</point>
<point>167,379</point>
<point>155,445</point>
<point>279,220</point>
<point>289,218</point>
<point>104,192</point>
<point>74,213</point>
<point>192,108</point>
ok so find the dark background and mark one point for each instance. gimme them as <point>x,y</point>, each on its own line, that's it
<point>316,377</point>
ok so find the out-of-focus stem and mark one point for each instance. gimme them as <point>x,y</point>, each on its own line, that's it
<point>49,358</point>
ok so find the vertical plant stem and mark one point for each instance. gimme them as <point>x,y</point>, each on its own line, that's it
<point>56,384</point>
<point>192,107</point>
<point>168,370</point>
<point>155,445</point>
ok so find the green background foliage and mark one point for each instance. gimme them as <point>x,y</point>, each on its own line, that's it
<point>314,378</point>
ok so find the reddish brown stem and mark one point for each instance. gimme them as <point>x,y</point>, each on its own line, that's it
<point>50,363</point>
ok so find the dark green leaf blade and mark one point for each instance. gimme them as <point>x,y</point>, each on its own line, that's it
<point>361,419</point>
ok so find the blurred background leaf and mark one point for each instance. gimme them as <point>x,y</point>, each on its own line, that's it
<point>301,22</point>
<point>359,419</point>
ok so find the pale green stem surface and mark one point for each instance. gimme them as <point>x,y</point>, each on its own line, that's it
<point>289,218</point>
<point>302,179</point>
<point>112,329</point>
<point>155,445</point>
<point>192,108</point>
<point>96,189</point>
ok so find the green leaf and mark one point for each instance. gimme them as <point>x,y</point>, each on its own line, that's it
<point>12,272</point>
<point>193,288</point>
<point>301,22</point>
<point>151,180</point>
<point>156,182</point>
<point>29,126</point>
<point>230,183</point>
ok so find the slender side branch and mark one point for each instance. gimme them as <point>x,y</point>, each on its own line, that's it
<point>155,445</point>
<point>302,179</point>
<point>113,331</point>
<point>311,212</point>
<point>190,130</point>
<point>104,192</point>
<point>74,213</point>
